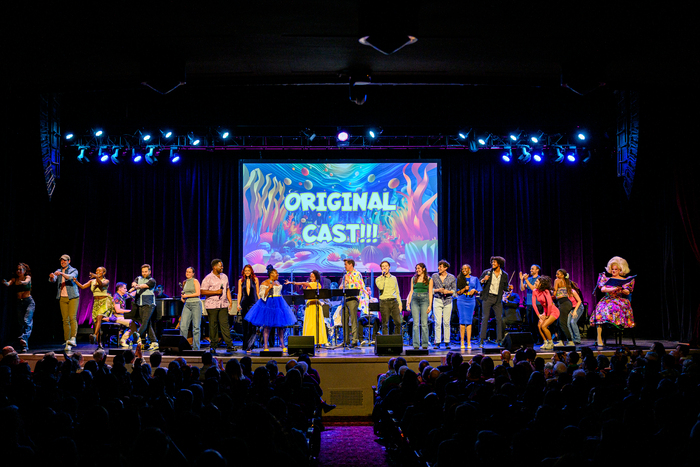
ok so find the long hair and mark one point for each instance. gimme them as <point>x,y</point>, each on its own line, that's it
<point>252,272</point>
<point>426,281</point>
<point>27,271</point>
<point>567,282</point>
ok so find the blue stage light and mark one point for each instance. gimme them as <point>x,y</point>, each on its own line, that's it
<point>69,136</point>
<point>571,157</point>
<point>174,155</point>
<point>82,157</point>
<point>582,136</point>
<point>98,133</point>
<point>506,157</point>
<point>195,142</point>
<point>115,155</point>
<point>537,158</point>
<point>482,141</point>
<point>224,135</point>
<point>150,156</point>
<point>372,134</point>
<point>168,134</point>
<point>136,155</point>
<point>343,136</point>
<point>104,157</point>
<point>146,137</point>
<point>534,139</point>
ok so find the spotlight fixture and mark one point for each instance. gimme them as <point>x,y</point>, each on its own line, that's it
<point>586,157</point>
<point>82,157</point>
<point>537,157</point>
<point>342,138</point>
<point>136,155</point>
<point>515,137</point>
<point>464,133</point>
<point>560,154</point>
<point>507,156</point>
<point>571,155</point>
<point>99,133</point>
<point>223,134</point>
<point>308,133</point>
<point>167,134</point>
<point>581,136</point>
<point>104,154</point>
<point>388,44</point>
<point>146,137</point>
<point>150,156</point>
<point>535,138</point>
<point>375,132</point>
<point>483,140</point>
<point>69,136</point>
<point>174,155</point>
<point>115,155</point>
<point>525,156</point>
<point>193,139</point>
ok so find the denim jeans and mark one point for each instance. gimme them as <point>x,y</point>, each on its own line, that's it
<point>191,313</point>
<point>442,308</point>
<point>573,325</point>
<point>419,311</point>
<point>25,317</point>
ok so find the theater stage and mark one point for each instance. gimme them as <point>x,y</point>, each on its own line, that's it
<point>347,375</point>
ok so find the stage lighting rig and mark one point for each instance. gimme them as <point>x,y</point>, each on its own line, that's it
<point>342,138</point>
<point>136,155</point>
<point>116,150</point>
<point>167,134</point>
<point>308,134</point>
<point>83,155</point>
<point>560,154</point>
<point>174,155</point>
<point>194,139</point>
<point>525,157</point>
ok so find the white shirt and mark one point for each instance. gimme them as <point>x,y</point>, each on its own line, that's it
<point>495,282</point>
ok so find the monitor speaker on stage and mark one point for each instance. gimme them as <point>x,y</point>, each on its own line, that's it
<point>389,345</point>
<point>173,345</point>
<point>515,340</point>
<point>297,345</point>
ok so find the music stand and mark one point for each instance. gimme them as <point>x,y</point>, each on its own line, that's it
<point>345,293</point>
<point>317,294</point>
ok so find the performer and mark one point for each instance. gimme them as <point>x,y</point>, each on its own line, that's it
<point>68,297</point>
<point>192,311</point>
<point>419,304</point>
<point>144,304</point>
<point>444,287</point>
<point>352,280</point>
<point>22,283</point>
<point>547,313</point>
<point>389,299</point>
<point>527,284</point>
<point>218,303</point>
<point>271,311</point>
<point>615,307</point>
<point>467,287</point>
<point>566,296</point>
<point>120,312</point>
<point>495,282</point>
<point>102,304</point>
<point>313,310</point>
<point>248,293</point>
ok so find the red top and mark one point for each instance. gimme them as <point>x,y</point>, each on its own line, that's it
<point>545,300</point>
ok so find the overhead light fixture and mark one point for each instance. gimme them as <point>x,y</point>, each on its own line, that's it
<point>375,132</point>
<point>136,155</point>
<point>193,139</point>
<point>389,43</point>
<point>309,134</point>
<point>146,137</point>
<point>342,138</point>
<point>104,154</point>
<point>167,134</point>
<point>358,93</point>
<point>483,140</point>
<point>571,155</point>
<point>82,156</point>
<point>223,133</point>
<point>507,156</point>
<point>560,154</point>
<point>115,155</point>
<point>98,133</point>
<point>69,136</point>
<point>537,157</point>
<point>535,138</point>
<point>174,155</point>
<point>151,158</point>
<point>525,156</point>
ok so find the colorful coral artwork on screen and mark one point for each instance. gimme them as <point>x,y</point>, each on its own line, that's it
<point>304,216</point>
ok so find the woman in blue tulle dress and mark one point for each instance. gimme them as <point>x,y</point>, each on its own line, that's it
<point>271,311</point>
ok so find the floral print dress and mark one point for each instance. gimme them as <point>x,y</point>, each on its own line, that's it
<point>615,307</point>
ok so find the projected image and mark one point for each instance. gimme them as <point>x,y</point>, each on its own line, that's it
<point>305,216</point>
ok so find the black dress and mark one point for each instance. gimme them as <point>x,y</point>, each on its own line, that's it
<point>246,301</point>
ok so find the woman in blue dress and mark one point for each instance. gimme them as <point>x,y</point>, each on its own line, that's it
<point>467,286</point>
<point>271,311</point>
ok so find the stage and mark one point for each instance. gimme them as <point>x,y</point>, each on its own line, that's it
<point>347,375</point>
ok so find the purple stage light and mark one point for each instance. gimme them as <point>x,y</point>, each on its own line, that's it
<point>343,136</point>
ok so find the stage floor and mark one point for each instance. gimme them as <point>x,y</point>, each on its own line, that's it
<point>347,375</point>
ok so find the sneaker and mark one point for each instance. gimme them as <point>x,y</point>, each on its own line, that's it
<point>212,349</point>
<point>153,346</point>
<point>547,346</point>
<point>68,346</point>
<point>481,344</point>
<point>447,346</point>
<point>559,344</point>
<point>123,343</point>
<point>72,341</point>
<point>364,343</point>
<point>425,347</point>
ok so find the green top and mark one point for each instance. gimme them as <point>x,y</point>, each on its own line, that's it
<point>389,288</point>
<point>420,287</point>
<point>188,288</point>
<point>98,291</point>
<point>19,287</point>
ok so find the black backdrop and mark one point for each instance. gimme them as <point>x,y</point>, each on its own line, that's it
<point>575,217</point>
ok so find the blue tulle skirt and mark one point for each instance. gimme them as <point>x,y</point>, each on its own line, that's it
<point>273,312</point>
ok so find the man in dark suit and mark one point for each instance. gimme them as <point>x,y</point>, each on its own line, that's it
<point>494,282</point>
